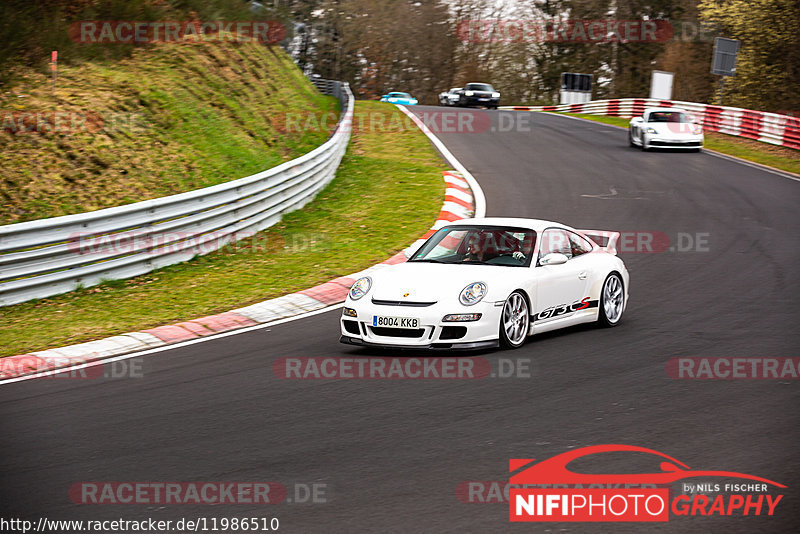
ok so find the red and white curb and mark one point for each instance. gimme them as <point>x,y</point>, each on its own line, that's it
<point>459,203</point>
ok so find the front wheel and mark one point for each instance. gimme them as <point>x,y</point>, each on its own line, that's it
<point>630,139</point>
<point>612,301</point>
<point>514,321</point>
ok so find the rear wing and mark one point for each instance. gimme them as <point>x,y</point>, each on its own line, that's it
<point>605,239</point>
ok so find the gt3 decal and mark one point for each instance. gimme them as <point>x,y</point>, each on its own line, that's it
<point>565,309</point>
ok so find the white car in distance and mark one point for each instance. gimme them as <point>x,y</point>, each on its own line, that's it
<point>449,98</point>
<point>669,128</point>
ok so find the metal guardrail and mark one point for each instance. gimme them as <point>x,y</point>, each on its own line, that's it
<point>50,256</point>
<point>783,130</point>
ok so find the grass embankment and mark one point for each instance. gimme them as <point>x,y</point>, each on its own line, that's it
<point>170,118</point>
<point>786,159</point>
<point>387,192</point>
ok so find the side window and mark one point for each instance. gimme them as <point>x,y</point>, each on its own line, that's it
<point>555,240</point>
<point>578,245</point>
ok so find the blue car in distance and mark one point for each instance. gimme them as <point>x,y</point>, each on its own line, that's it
<point>399,98</point>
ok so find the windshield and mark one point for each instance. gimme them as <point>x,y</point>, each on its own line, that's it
<point>400,95</point>
<point>481,245</point>
<point>479,87</point>
<point>669,116</point>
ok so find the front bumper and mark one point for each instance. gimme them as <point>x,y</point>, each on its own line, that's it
<point>479,101</point>
<point>433,333</point>
<point>348,340</point>
<point>662,141</point>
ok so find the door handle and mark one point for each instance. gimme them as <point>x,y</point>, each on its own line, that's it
<point>582,276</point>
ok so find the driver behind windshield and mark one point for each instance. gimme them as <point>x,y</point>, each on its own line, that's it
<point>484,246</point>
<point>474,251</point>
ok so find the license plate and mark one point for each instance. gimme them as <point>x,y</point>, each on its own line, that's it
<point>395,322</point>
<point>484,99</point>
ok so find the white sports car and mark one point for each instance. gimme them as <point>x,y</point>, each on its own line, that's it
<point>665,128</point>
<point>449,98</point>
<point>486,282</point>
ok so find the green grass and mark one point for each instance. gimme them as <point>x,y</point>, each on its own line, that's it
<point>786,159</point>
<point>170,118</point>
<point>387,193</point>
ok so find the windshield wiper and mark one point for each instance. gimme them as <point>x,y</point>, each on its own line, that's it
<point>429,261</point>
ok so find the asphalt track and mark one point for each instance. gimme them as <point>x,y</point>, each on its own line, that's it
<point>392,453</point>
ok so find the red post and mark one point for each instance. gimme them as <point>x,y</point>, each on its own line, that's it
<point>54,66</point>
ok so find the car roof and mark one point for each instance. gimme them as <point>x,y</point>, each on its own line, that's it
<point>534,224</point>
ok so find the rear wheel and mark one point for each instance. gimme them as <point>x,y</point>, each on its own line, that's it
<point>514,321</point>
<point>612,301</point>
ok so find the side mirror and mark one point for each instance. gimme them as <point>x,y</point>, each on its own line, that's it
<point>554,258</point>
<point>414,248</point>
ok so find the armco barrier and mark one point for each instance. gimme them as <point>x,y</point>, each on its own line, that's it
<point>772,128</point>
<point>51,256</point>
<point>459,203</point>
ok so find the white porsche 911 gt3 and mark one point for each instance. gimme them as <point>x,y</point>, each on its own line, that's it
<point>479,283</point>
<point>665,128</point>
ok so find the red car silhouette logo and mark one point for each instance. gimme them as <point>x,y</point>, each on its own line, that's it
<point>554,470</point>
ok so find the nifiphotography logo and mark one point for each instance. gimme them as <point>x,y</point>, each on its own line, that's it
<point>549,491</point>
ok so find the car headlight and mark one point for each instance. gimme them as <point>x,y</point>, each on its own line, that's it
<point>472,294</point>
<point>495,95</point>
<point>468,93</point>
<point>651,130</point>
<point>360,288</point>
<point>697,129</point>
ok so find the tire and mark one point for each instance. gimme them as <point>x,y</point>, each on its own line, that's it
<point>514,321</point>
<point>612,301</point>
<point>630,139</point>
